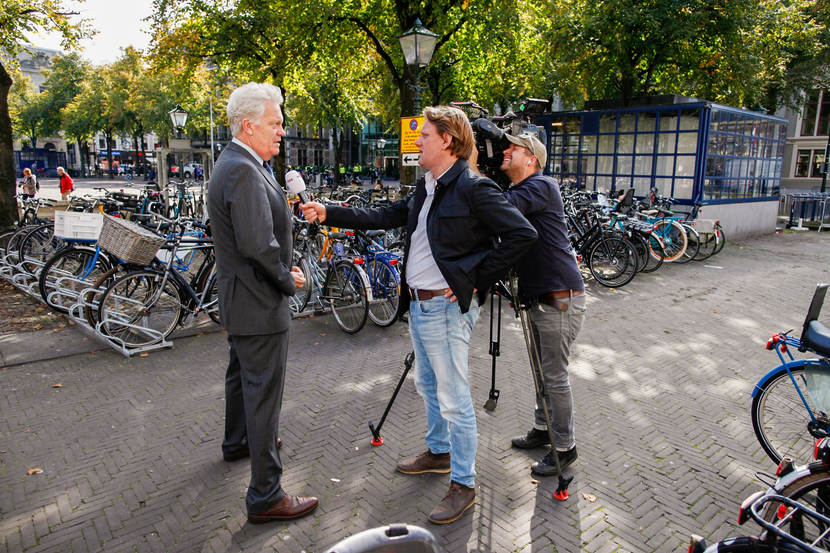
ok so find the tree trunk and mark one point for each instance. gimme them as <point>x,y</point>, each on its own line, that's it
<point>108,136</point>
<point>337,141</point>
<point>8,205</point>
<point>145,167</point>
<point>84,158</point>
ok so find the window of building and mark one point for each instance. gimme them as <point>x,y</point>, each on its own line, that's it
<point>815,115</point>
<point>809,163</point>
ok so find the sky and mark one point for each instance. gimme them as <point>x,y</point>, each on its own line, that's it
<point>118,22</point>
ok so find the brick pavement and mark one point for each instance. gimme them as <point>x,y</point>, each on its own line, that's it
<point>661,372</point>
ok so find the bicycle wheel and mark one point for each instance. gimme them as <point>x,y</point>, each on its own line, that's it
<point>708,244</point>
<point>344,292</point>
<point>692,244</point>
<point>92,299</point>
<point>779,417</point>
<point>656,253</point>
<point>673,237</point>
<point>300,299</point>
<point>14,242</point>
<point>37,247</point>
<point>210,282</point>
<point>137,301</point>
<point>386,291</point>
<point>721,239</point>
<point>79,268</point>
<point>812,490</point>
<point>613,261</point>
<point>641,247</point>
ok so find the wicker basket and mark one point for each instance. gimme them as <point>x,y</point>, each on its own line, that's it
<point>128,241</point>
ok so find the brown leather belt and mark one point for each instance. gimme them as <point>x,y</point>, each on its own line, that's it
<point>552,298</point>
<point>423,295</point>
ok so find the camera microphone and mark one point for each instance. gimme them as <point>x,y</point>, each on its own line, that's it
<point>296,185</point>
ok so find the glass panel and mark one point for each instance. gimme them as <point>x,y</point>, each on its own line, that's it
<point>714,166</point>
<point>624,164</point>
<point>626,122</point>
<point>808,114</point>
<point>608,123</point>
<point>606,144</point>
<point>603,184</point>
<point>605,164</point>
<point>668,121</point>
<point>665,144</point>
<point>646,122</point>
<point>569,165</point>
<point>642,185</point>
<point>625,143</point>
<point>642,165</point>
<point>590,182</point>
<point>713,143</point>
<point>683,189</point>
<point>589,164</point>
<point>589,144</point>
<point>663,186</point>
<point>645,143</point>
<point>572,126</point>
<point>665,166</point>
<point>690,119</point>
<point>818,160</point>
<point>802,165</point>
<point>687,143</point>
<point>711,189</point>
<point>573,144</point>
<point>685,166</point>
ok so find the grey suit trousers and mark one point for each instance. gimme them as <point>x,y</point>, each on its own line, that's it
<point>253,398</point>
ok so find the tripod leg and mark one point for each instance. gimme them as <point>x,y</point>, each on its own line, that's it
<point>376,439</point>
<point>535,358</point>
<point>492,401</point>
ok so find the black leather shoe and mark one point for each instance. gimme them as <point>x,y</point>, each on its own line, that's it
<point>546,466</point>
<point>533,439</point>
<point>243,453</point>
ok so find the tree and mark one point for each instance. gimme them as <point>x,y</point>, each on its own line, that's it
<point>19,18</point>
<point>28,109</point>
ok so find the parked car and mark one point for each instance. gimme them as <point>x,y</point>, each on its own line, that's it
<point>193,171</point>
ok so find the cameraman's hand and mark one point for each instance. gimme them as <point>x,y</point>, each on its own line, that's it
<point>313,211</point>
<point>472,161</point>
<point>299,277</point>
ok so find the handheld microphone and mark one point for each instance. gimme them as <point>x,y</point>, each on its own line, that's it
<point>296,185</point>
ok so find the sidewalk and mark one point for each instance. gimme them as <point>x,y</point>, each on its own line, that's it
<point>662,375</point>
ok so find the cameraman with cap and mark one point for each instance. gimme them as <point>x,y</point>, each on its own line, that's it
<point>550,280</point>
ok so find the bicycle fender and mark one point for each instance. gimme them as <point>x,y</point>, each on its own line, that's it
<point>791,365</point>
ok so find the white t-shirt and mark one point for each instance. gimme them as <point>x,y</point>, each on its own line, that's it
<point>422,272</point>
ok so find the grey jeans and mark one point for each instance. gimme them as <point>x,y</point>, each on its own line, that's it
<point>555,331</point>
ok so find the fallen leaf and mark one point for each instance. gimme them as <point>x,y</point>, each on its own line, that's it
<point>61,325</point>
<point>27,430</point>
<point>335,479</point>
<point>223,331</point>
<point>200,334</point>
<point>589,498</point>
<point>38,326</point>
<point>534,481</point>
<point>35,471</point>
<point>144,354</point>
<point>57,385</point>
<point>322,334</point>
<point>714,311</point>
<point>316,343</point>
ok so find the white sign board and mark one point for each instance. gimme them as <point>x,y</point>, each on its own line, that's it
<point>410,160</point>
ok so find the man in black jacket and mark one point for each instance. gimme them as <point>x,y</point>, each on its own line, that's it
<point>452,220</point>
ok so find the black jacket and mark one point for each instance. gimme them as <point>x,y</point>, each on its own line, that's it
<point>467,214</point>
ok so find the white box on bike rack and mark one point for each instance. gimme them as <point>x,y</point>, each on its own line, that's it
<point>71,225</point>
<point>704,226</point>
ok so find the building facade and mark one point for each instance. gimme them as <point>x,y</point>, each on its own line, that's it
<point>807,142</point>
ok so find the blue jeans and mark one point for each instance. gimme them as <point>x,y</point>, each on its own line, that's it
<point>441,340</point>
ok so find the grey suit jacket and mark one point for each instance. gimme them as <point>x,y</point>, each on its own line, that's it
<point>252,237</point>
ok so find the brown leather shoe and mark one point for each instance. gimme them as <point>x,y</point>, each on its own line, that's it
<point>291,507</point>
<point>243,453</point>
<point>438,463</point>
<point>458,499</point>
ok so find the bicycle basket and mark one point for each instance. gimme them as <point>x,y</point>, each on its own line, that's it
<point>128,241</point>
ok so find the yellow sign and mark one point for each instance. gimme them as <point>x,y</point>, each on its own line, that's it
<point>410,131</point>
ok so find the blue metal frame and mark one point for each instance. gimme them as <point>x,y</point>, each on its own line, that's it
<point>698,174</point>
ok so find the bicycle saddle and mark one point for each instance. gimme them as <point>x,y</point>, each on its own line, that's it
<point>817,337</point>
<point>338,235</point>
<point>374,233</point>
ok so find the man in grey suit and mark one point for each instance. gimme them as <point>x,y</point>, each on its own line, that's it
<point>251,225</point>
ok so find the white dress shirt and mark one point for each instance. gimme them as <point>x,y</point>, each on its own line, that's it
<point>422,272</point>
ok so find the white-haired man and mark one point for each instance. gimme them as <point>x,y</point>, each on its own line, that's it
<point>251,224</point>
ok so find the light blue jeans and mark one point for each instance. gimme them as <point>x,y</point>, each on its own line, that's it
<point>441,340</point>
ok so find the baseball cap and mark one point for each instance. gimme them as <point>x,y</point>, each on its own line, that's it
<point>532,143</point>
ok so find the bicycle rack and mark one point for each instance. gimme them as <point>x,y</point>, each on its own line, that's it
<point>825,213</point>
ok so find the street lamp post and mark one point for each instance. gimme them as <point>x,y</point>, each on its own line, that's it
<point>178,116</point>
<point>826,159</point>
<point>418,45</point>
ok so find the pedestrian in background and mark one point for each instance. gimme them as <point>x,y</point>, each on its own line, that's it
<point>67,184</point>
<point>29,183</point>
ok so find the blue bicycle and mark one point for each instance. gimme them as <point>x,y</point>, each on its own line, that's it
<point>791,403</point>
<point>384,277</point>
